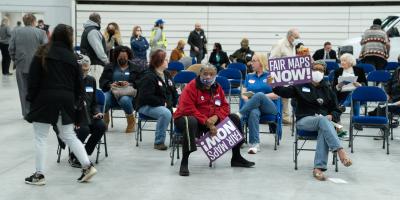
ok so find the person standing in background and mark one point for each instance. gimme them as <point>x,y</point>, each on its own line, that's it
<point>197,41</point>
<point>43,26</point>
<point>157,37</point>
<point>5,36</point>
<point>375,46</point>
<point>139,44</point>
<point>285,48</point>
<point>22,47</point>
<point>93,45</point>
<point>112,35</point>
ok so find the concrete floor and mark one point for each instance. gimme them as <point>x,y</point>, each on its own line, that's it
<point>143,173</point>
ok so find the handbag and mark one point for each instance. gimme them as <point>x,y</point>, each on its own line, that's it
<point>119,91</point>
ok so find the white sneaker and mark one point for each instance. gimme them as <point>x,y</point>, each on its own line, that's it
<point>254,149</point>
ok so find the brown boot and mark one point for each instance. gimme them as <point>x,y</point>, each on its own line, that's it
<point>106,119</point>
<point>131,123</point>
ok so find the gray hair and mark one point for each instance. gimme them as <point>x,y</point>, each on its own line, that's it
<point>349,58</point>
<point>4,21</point>
<point>207,66</point>
<point>291,32</point>
<point>83,59</point>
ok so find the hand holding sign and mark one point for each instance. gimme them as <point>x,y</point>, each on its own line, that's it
<point>290,70</point>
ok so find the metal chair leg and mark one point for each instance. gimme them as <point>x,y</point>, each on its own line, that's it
<point>58,153</point>
<point>105,144</point>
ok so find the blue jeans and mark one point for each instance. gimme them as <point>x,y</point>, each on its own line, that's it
<point>125,102</point>
<point>257,105</point>
<point>163,116</point>
<point>347,103</point>
<point>327,137</point>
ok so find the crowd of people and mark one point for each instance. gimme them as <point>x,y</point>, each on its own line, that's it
<point>57,87</point>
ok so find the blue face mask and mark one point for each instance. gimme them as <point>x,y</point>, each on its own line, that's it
<point>207,82</point>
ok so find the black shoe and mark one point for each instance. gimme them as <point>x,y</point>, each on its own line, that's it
<point>342,109</point>
<point>241,162</point>
<point>35,179</point>
<point>74,163</point>
<point>358,127</point>
<point>87,174</point>
<point>184,170</point>
<point>160,147</point>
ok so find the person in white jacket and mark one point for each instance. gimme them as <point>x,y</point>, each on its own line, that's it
<point>285,48</point>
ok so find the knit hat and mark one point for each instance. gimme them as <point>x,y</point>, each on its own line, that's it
<point>320,62</point>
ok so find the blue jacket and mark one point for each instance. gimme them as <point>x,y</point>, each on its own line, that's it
<point>139,47</point>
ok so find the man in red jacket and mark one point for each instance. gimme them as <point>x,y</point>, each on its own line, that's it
<point>202,106</point>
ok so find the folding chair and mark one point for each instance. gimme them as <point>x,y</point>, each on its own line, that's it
<point>378,76</point>
<point>226,86</point>
<point>234,77</point>
<point>176,141</point>
<point>331,66</point>
<point>391,66</point>
<point>363,94</point>
<point>240,66</point>
<point>366,67</point>
<point>275,120</point>
<point>183,78</point>
<point>101,103</point>
<point>175,66</point>
<point>142,120</point>
<point>304,136</point>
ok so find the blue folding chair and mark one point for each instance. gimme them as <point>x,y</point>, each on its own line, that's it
<point>175,66</point>
<point>391,66</point>
<point>304,136</point>
<point>275,120</point>
<point>378,76</point>
<point>363,94</point>
<point>240,66</point>
<point>184,77</point>
<point>366,67</point>
<point>331,66</point>
<point>226,86</point>
<point>234,76</point>
<point>101,102</point>
<point>142,121</point>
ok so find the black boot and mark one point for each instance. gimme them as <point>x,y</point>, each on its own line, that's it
<point>184,170</point>
<point>237,159</point>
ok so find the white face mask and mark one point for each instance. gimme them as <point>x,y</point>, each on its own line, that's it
<point>296,41</point>
<point>317,76</point>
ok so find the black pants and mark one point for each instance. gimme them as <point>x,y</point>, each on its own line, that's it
<point>96,129</point>
<point>6,59</point>
<point>191,129</point>
<point>377,61</point>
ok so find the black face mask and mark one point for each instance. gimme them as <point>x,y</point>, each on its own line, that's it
<point>122,61</point>
<point>111,32</point>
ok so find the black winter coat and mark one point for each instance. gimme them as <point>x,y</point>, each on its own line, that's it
<point>223,59</point>
<point>106,78</point>
<point>311,99</point>
<point>56,88</point>
<point>153,91</point>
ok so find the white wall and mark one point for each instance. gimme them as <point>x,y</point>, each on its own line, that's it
<point>227,25</point>
<point>52,12</point>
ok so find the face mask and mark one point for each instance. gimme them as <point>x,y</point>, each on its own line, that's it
<point>296,41</point>
<point>317,76</point>
<point>111,32</point>
<point>122,61</point>
<point>207,82</point>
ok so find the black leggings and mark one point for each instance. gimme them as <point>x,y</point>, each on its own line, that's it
<point>6,59</point>
<point>192,129</point>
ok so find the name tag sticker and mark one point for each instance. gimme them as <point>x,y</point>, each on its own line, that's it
<point>218,102</point>
<point>251,81</point>
<point>305,89</point>
<point>159,83</point>
<point>89,89</point>
<point>170,82</point>
<point>127,73</point>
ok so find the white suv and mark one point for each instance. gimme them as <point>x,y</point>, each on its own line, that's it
<point>392,27</point>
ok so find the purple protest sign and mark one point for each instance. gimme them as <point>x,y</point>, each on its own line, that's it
<point>290,70</point>
<point>228,135</point>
